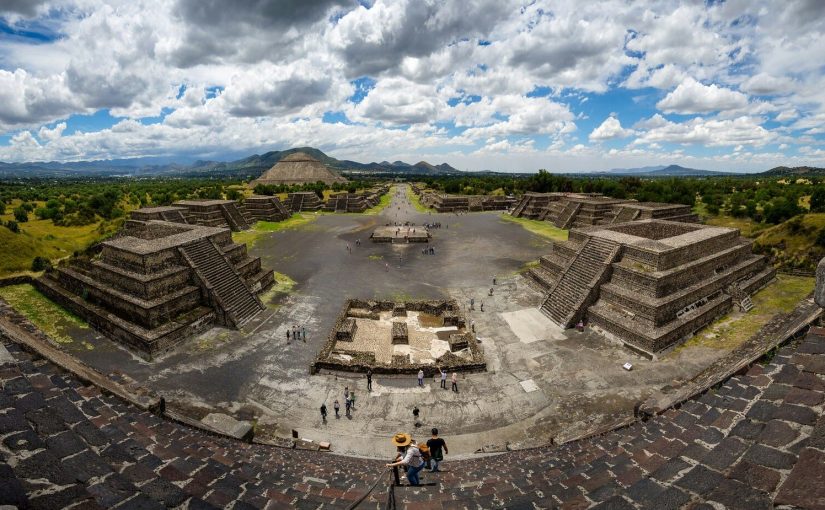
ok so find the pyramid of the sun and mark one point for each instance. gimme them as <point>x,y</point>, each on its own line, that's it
<point>298,168</point>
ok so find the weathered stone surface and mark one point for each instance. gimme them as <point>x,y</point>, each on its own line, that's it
<point>777,433</point>
<point>228,425</point>
<point>819,290</point>
<point>758,477</point>
<point>769,457</point>
<point>805,486</point>
<point>735,494</point>
<point>700,480</point>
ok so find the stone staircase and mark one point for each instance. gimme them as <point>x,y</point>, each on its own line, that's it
<point>578,284</point>
<point>625,215</point>
<point>565,218</point>
<point>235,299</point>
<point>173,216</point>
<point>234,217</point>
<point>522,204</point>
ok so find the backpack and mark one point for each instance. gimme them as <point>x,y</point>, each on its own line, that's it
<point>425,452</point>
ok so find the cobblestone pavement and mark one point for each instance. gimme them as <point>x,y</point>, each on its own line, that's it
<point>758,441</point>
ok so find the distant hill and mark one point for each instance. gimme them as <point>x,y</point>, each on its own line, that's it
<point>794,171</point>
<point>251,166</point>
<point>664,171</point>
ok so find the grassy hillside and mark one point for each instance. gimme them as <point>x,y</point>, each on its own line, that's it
<point>793,244</point>
<point>43,238</point>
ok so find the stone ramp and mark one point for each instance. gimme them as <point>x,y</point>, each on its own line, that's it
<point>175,216</point>
<point>234,218</point>
<point>575,288</point>
<point>626,214</point>
<point>522,204</point>
<point>567,215</point>
<point>237,303</point>
<point>755,442</point>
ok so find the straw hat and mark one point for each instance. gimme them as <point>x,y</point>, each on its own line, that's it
<point>401,439</point>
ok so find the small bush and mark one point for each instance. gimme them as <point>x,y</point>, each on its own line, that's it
<point>41,264</point>
<point>13,226</point>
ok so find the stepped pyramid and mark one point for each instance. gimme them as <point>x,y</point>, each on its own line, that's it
<point>298,168</point>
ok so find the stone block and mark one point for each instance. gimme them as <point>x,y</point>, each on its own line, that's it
<point>228,425</point>
<point>805,486</point>
<point>399,333</point>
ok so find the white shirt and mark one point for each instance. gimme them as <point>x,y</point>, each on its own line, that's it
<point>413,457</point>
<point>421,374</point>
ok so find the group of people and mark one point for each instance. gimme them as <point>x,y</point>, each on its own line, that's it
<point>296,333</point>
<point>433,225</point>
<point>443,375</point>
<point>473,302</point>
<point>349,403</point>
<point>428,250</point>
<point>414,457</point>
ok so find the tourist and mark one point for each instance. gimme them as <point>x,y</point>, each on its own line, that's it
<point>455,382</point>
<point>438,447</point>
<point>337,408</point>
<point>352,400</point>
<point>482,306</point>
<point>304,334</point>
<point>348,404</point>
<point>472,304</point>
<point>412,458</point>
<point>491,291</point>
<point>369,379</point>
<point>346,391</point>
<point>324,413</point>
<point>443,378</point>
<point>473,326</point>
<point>287,336</point>
<point>494,280</point>
<point>420,377</point>
<point>416,412</point>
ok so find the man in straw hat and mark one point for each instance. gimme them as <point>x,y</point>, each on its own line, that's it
<point>412,458</point>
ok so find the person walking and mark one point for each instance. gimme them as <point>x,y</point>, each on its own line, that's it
<point>348,404</point>
<point>454,380</point>
<point>352,400</point>
<point>443,378</point>
<point>304,333</point>
<point>324,413</point>
<point>337,408</point>
<point>412,459</point>
<point>369,379</point>
<point>482,306</point>
<point>420,377</point>
<point>287,336</point>
<point>438,447</point>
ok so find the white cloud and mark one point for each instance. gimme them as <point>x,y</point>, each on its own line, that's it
<point>48,135</point>
<point>609,129</point>
<point>694,97</point>
<point>711,132</point>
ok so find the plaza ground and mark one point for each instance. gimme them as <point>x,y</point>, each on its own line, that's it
<point>542,383</point>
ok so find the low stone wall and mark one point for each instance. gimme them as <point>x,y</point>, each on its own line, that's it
<point>362,361</point>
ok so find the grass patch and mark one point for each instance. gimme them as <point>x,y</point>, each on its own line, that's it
<point>793,242</point>
<point>541,228</point>
<point>44,238</point>
<point>528,266</point>
<point>733,329</point>
<point>747,227</point>
<point>261,228</point>
<point>284,285</point>
<point>416,203</point>
<point>386,198</point>
<point>375,257</point>
<point>43,313</point>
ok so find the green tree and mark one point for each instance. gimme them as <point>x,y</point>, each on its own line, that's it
<point>21,215</point>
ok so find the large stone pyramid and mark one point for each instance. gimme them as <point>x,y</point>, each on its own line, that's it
<point>298,168</point>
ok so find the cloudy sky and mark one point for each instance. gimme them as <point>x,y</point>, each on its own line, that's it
<point>480,84</point>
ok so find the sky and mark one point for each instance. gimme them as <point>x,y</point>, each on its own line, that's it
<point>568,86</point>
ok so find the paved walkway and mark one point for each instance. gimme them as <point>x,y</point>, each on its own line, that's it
<point>756,442</point>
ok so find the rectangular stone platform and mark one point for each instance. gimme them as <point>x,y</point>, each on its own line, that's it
<point>402,234</point>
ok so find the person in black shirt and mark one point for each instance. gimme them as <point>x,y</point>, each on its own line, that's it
<point>438,448</point>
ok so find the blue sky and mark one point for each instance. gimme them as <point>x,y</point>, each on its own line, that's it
<point>482,84</point>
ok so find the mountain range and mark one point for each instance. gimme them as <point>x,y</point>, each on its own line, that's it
<point>253,166</point>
